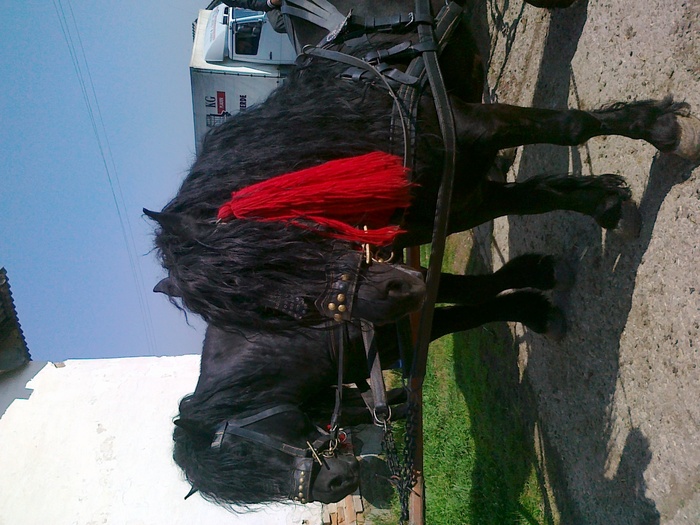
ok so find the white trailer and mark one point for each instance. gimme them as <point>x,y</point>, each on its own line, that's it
<point>237,60</point>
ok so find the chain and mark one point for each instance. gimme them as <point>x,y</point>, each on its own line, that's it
<point>402,474</point>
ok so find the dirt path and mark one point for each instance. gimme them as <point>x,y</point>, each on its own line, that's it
<point>619,398</point>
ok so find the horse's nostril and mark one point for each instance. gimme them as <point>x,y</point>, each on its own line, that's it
<point>336,482</point>
<point>396,287</point>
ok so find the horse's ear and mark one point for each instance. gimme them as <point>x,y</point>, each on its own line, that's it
<point>168,287</point>
<point>174,223</point>
<point>200,437</point>
<point>192,491</point>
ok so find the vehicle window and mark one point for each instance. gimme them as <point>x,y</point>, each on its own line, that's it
<point>248,37</point>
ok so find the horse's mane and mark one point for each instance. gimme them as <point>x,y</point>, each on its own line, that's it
<point>231,272</point>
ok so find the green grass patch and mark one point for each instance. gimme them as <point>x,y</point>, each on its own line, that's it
<point>479,460</point>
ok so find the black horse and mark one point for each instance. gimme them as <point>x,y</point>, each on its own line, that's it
<point>244,373</point>
<point>235,273</point>
<point>257,284</point>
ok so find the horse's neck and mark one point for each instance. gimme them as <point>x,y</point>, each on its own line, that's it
<point>289,365</point>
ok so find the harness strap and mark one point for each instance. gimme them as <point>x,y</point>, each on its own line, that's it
<point>342,27</point>
<point>318,12</point>
<point>341,331</point>
<point>265,440</point>
<point>442,208</point>
<point>261,416</point>
<point>392,74</point>
<point>380,409</point>
<point>445,23</point>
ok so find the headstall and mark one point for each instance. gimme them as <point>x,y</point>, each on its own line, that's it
<point>304,458</point>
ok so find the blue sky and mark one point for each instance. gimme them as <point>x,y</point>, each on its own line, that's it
<point>60,236</point>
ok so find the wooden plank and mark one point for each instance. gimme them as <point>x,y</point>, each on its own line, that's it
<point>350,512</point>
<point>359,505</point>
<point>416,501</point>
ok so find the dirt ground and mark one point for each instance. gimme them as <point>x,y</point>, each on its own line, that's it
<point>618,400</point>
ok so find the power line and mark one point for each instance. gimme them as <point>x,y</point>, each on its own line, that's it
<point>82,70</point>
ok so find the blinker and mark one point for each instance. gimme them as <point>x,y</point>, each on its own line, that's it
<point>341,284</point>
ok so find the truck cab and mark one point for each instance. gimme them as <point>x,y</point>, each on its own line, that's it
<point>237,60</point>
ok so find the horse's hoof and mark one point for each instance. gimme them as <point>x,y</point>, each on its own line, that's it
<point>689,142</point>
<point>630,224</point>
<point>556,325</point>
<point>564,275</point>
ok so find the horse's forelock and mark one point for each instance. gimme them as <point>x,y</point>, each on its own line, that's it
<point>234,275</point>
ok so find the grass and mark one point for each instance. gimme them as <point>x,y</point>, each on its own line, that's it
<point>479,460</point>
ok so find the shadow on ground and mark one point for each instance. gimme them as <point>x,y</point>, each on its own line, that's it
<point>568,387</point>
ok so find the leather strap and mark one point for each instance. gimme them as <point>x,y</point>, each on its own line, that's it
<point>341,331</point>
<point>380,410</point>
<point>442,208</point>
<point>318,12</point>
<point>338,298</point>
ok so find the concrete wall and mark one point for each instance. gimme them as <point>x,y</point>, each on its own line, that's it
<point>90,443</point>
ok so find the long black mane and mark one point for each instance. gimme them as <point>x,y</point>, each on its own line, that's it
<point>242,375</point>
<point>233,272</point>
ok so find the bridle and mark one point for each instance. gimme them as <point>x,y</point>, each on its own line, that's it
<point>304,458</point>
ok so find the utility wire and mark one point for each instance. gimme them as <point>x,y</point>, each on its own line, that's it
<point>82,70</point>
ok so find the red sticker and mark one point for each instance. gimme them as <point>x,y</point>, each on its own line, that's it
<point>220,101</point>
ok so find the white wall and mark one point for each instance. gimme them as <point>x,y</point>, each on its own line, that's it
<point>90,443</point>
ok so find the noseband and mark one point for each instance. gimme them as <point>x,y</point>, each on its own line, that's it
<point>303,457</point>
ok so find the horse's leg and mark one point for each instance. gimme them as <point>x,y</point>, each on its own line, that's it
<point>665,124</point>
<point>531,270</point>
<point>530,308</point>
<point>606,198</point>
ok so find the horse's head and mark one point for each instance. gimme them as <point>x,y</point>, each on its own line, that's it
<point>241,437</point>
<point>271,455</point>
<point>380,293</point>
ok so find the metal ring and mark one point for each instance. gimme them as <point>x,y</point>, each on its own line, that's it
<point>381,422</point>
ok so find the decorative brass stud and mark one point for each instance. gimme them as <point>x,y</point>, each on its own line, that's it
<point>342,308</point>
<point>303,500</point>
<point>301,495</point>
<point>331,306</point>
<point>345,277</point>
<point>338,317</point>
<point>341,297</point>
